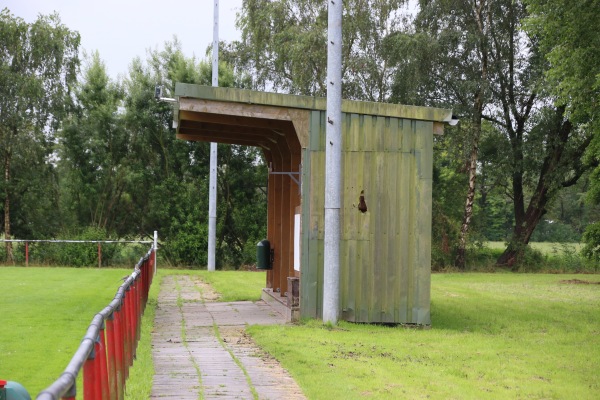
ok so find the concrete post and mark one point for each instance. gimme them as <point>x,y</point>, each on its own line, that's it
<point>212,194</point>
<point>333,158</point>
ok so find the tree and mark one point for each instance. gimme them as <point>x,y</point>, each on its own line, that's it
<point>94,154</point>
<point>567,33</point>
<point>444,61</point>
<point>477,54</point>
<point>283,46</point>
<point>38,66</point>
<point>171,175</point>
<point>545,145</point>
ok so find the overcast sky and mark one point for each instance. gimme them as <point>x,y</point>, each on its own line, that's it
<point>123,29</point>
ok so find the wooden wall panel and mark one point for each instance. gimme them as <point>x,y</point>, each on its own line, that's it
<point>385,252</point>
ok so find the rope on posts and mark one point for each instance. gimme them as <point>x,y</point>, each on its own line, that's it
<point>107,350</point>
<point>98,242</point>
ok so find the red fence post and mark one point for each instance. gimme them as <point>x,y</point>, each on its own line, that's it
<point>136,307</point>
<point>138,311</point>
<point>119,343</point>
<point>111,355</point>
<point>88,378</point>
<point>97,369</point>
<point>144,270</point>
<point>128,336</point>
<point>109,347</point>
<point>91,385</point>
<point>103,376</point>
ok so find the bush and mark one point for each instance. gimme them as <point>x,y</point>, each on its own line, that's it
<point>554,231</point>
<point>591,238</point>
<point>18,252</point>
<point>75,254</point>
<point>530,260</point>
<point>189,247</point>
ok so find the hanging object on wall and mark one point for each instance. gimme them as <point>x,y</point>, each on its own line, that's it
<point>362,206</point>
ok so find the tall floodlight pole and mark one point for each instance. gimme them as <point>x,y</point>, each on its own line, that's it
<point>212,191</point>
<point>333,158</point>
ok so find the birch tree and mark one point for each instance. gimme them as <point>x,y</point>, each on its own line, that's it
<point>38,66</point>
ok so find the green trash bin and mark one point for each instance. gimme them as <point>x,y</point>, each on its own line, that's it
<point>13,391</point>
<point>263,255</point>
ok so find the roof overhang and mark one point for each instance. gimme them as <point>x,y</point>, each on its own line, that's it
<point>246,117</point>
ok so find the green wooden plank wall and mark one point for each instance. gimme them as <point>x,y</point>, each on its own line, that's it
<point>385,253</point>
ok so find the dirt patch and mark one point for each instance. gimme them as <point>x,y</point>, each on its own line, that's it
<point>207,292</point>
<point>236,336</point>
<point>578,282</point>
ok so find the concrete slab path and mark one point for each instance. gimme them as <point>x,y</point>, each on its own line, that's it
<point>201,351</point>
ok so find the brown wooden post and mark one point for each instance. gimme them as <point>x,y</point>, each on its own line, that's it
<point>99,254</point>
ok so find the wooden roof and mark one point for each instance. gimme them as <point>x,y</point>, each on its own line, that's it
<point>257,113</point>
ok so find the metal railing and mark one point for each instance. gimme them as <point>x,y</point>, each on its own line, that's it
<point>109,345</point>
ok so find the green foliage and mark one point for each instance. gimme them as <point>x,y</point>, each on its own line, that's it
<point>94,158</point>
<point>38,66</point>
<point>189,245</point>
<point>591,238</point>
<point>474,58</point>
<point>115,164</point>
<point>242,213</point>
<point>171,176</point>
<point>75,254</point>
<point>283,46</point>
<point>539,257</point>
<point>554,231</point>
<point>566,31</point>
<point>448,192</point>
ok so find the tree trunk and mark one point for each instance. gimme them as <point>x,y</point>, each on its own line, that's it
<point>521,236</point>
<point>482,18</point>
<point>470,200</point>
<point>7,234</point>
<point>548,185</point>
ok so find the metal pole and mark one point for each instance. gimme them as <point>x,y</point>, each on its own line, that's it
<point>155,247</point>
<point>333,158</point>
<point>212,190</point>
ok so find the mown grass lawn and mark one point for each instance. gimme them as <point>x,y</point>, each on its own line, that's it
<point>546,248</point>
<point>494,336</point>
<point>45,313</point>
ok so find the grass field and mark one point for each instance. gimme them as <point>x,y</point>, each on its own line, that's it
<point>547,248</point>
<point>45,313</point>
<point>232,285</point>
<point>494,336</point>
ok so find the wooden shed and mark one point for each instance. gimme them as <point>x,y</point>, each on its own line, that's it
<point>387,152</point>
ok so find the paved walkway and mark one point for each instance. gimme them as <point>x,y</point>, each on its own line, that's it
<point>201,351</point>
